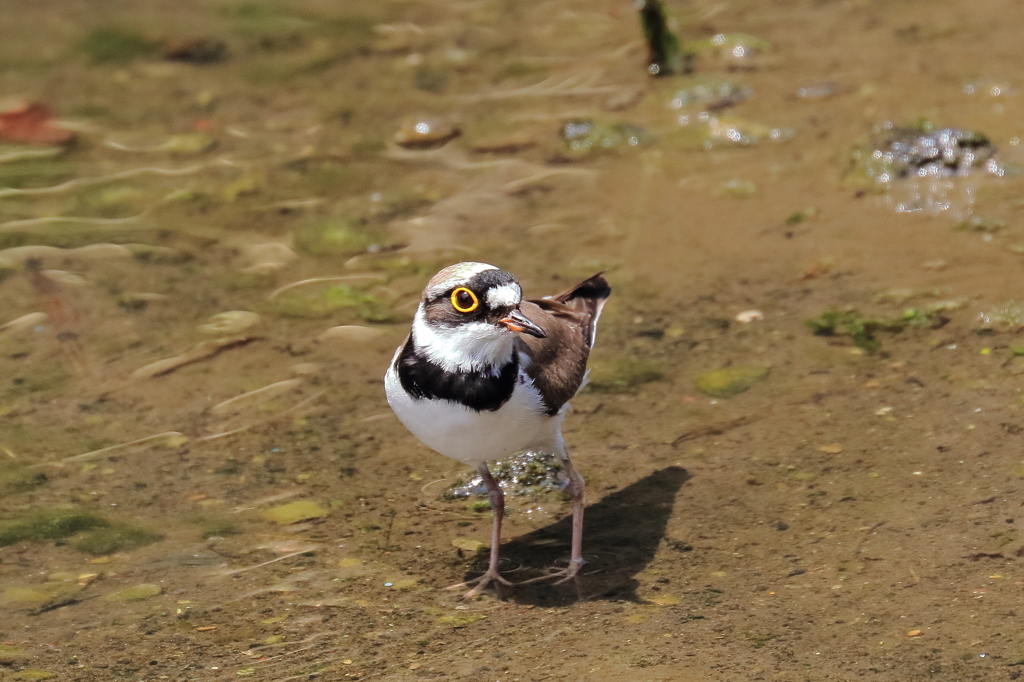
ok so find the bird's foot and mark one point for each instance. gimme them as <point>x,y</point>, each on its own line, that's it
<point>478,584</point>
<point>560,575</point>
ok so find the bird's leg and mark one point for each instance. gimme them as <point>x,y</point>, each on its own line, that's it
<point>575,489</point>
<point>497,498</point>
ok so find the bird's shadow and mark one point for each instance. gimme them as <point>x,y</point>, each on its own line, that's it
<point>621,534</point>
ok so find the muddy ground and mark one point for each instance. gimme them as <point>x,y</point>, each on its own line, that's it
<point>854,513</point>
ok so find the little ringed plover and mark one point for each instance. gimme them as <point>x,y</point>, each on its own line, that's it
<point>484,374</point>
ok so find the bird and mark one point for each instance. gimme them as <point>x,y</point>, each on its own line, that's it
<point>484,374</point>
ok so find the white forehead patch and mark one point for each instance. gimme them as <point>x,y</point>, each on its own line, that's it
<point>453,276</point>
<point>503,296</point>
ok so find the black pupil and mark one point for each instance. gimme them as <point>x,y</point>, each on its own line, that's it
<point>464,299</point>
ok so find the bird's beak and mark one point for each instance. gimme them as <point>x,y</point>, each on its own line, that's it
<point>517,322</point>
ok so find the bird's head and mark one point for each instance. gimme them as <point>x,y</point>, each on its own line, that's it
<point>468,317</point>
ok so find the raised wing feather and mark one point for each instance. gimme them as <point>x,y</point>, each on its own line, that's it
<point>558,363</point>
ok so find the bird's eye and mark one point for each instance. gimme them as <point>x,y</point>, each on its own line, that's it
<point>464,300</point>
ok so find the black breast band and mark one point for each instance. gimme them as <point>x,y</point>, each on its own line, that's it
<point>422,378</point>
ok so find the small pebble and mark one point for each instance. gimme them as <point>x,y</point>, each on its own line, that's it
<point>467,544</point>
<point>425,133</point>
<point>230,322</point>
<point>64,277</point>
<point>136,593</point>
<point>348,332</point>
<point>306,369</point>
<point>293,512</point>
<point>748,316</point>
<point>267,257</point>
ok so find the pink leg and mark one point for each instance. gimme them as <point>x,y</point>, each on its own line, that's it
<point>497,498</point>
<point>575,489</point>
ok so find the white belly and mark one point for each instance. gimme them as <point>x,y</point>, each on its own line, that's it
<point>472,437</point>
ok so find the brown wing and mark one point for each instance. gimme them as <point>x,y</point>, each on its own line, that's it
<point>558,363</point>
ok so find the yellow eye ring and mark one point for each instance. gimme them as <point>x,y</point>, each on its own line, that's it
<point>474,301</point>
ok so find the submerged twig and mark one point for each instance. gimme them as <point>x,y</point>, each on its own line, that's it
<point>443,511</point>
<point>665,53</point>
<point>437,480</point>
<point>716,429</point>
<point>290,410</point>
<point>916,577</point>
<point>289,204</point>
<point>23,323</point>
<point>62,315</point>
<point>266,563</point>
<point>103,451</point>
<point>269,391</point>
<point>202,351</point>
<point>314,280</point>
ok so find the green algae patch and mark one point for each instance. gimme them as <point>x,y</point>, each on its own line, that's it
<point>16,479</point>
<point>624,375</point>
<point>293,512</point>
<point>35,173</point>
<point>11,654</point>
<point>478,506</point>
<point>48,525</point>
<point>120,537</point>
<point>459,621</point>
<point>863,330</point>
<point>336,299</point>
<point>136,593</point>
<point>730,381</point>
<point>48,593</point>
<point>112,201</point>
<point>188,144</point>
<point>218,528</point>
<point>113,44</point>
<point>336,237</point>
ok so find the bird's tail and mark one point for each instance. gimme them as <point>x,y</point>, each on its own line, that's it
<point>587,297</point>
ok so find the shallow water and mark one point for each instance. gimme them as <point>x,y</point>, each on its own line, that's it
<point>198,321</point>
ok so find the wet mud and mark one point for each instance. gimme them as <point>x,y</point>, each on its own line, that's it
<point>802,433</point>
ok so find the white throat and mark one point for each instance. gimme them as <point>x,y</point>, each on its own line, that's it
<point>473,346</point>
